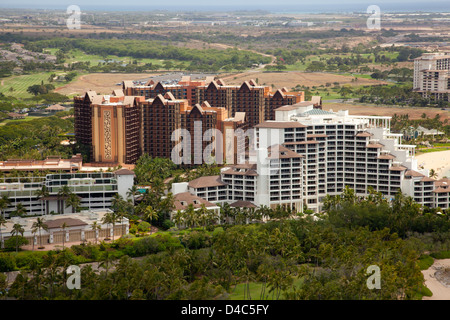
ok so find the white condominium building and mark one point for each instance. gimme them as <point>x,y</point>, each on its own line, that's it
<point>432,75</point>
<point>319,153</point>
<point>94,189</point>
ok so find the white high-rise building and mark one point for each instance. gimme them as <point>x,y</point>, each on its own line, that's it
<point>432,75</point>
<point>319,153</point>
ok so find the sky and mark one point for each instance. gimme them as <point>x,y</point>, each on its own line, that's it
<point>277,6</point>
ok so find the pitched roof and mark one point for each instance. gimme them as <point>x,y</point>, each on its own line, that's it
<point>242,170</point>
<point>124,172</point>
<point>283,153</point>
<point>207,181</point>
<point>118,93</point>
<point>412,173</point>
<point>398,168</point>
<point>364,134</point>
<point>127,83</point>
<point>184,199</point>
<point>441,190</point>
<point>242,204</point>
<point>374,145</point>
<point>386,157</point>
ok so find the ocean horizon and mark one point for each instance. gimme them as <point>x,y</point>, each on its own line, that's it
<point>393,7</point>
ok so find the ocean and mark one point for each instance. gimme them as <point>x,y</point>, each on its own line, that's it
<point>310,7</point>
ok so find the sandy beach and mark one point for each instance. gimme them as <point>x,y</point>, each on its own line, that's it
<point>439,161</point>
<point>434,276</point>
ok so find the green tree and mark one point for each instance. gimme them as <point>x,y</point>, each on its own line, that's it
<point>4,203</point>
<point>39,225</point>
<point>17,230</point>
<point>20,211</point>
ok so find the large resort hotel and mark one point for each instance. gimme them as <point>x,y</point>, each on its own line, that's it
<point>307,153</point>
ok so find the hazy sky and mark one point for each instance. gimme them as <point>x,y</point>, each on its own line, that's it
<point>300,5</point>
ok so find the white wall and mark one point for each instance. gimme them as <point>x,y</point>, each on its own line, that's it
<point>124,183</point>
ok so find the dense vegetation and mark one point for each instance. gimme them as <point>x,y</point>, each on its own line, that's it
<point>35,139</point>
<point>207,60</point>
<point>308,258</point>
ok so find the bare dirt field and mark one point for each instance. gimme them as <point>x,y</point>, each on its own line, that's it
<point>414,113</point>
<point>102,83</point>
<point>291,79</point>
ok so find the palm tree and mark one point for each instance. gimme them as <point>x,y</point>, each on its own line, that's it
<point>38,225</point>
<point>178,218</point>
<point>150,213</point>
<point>42,193</point>
<point>133,192</point>
<point>2,224</point>
<point>73,201</point>
<point>4,203</point>
<point>95,227</point>
<point>110,218</point>
<point>191,216</point>
<point>63,194</point>
<point>20,211</point>
<point>16,230</point>
<point>433,174</point>
<point>63,227</point>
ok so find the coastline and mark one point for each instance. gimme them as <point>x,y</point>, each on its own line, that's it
<point>439,290</point>
<point>439,161</point>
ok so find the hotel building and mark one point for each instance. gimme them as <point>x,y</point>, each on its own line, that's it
<point>319,153</point>
<point>257,101</point>
<point>121,128</point>
<point>432,75</point>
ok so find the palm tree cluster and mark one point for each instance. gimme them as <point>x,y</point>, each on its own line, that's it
<point>191,217</point>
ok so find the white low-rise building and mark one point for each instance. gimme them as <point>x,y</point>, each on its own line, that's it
<point>94,189</point>
<point>71,227</point>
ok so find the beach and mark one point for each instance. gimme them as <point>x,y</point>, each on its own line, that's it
<point>435,277</point>
<point>439,161</point>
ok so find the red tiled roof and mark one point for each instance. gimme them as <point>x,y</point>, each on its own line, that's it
<point>207,181</point>
<point>70,222</point>
<point>242,204</point>
<point>412,173</point>
<point>188,198</point>
<point>398,168</point>
<point>374,145</point>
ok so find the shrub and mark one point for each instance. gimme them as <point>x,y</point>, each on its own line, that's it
<point>144,226</point>
<point>167,242</point>
<point>7,262</point>
<point>144,246</point>
<point>167,224</point>
<point>217,231</point>
<point>89,251</point>
<point>10,244</point>
<point>425,262</point>
<point>441,255</point>
<point>26,260</point>
<point>196,240</point>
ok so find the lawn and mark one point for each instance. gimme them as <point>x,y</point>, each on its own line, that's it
<point>21,83</point>
<point>77,55</point>
<point>255,291</point>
